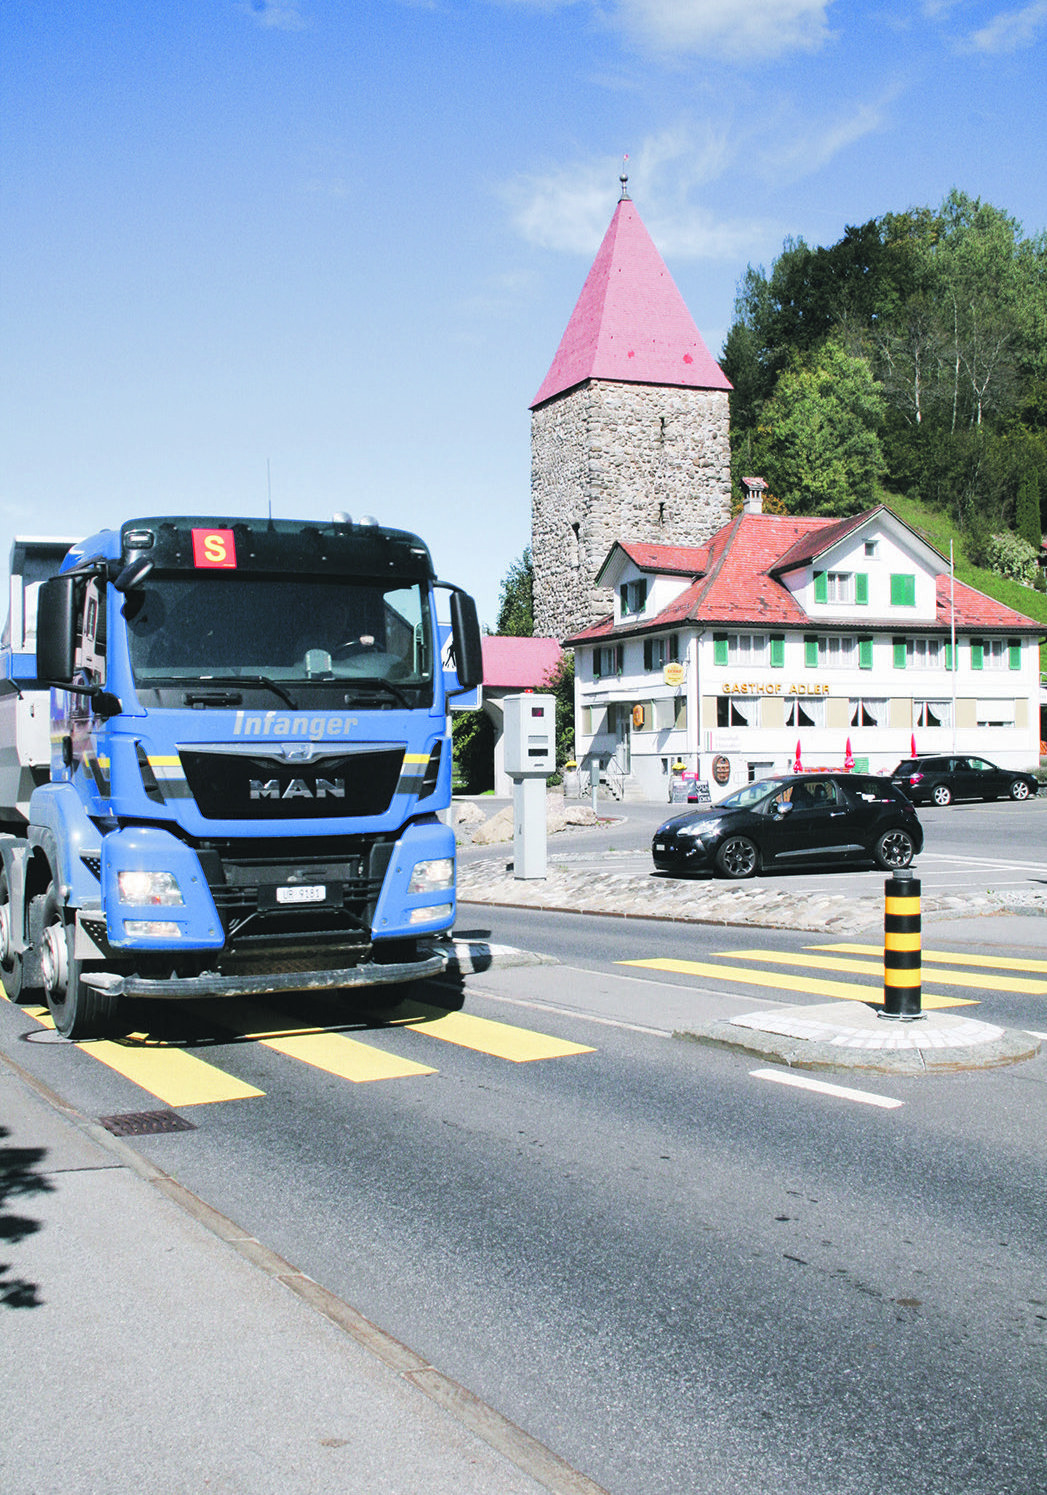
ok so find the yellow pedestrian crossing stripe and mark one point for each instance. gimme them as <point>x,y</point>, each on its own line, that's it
<point>945,957</point>
<point>179,1078</point>
<point>169,1073</point>
<point>875,968</point>
<point>811,986</point>
<point>332,1052</point>
<point>502,1040</point>
<point>946,968</point>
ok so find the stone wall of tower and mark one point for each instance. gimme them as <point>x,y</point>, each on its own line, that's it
<point>613,461</point>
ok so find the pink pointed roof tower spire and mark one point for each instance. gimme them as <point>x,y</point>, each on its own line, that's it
<point>630,323</point>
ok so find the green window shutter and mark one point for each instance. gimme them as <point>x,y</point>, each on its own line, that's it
<point>810,651</point>
<point>623,596</point>
<point>948,656</point>
<point>977,654</point>
<point>648,652</point>
<point>719,648</point>
<point>821,587</point>
<point>903,590</point>
<point>865,653</point>
<point>777,651</point>
<point>861,588</point>
<point>1014,653</point>
<point>899,654</point>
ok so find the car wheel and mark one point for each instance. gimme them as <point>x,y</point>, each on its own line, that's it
<point>737,857</point>
<point>942,794</point>
<point>1019,789</point>
<point>894,849</point>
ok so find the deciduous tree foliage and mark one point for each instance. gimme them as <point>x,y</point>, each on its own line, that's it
<point>516,599</point>
<point>947,308</point>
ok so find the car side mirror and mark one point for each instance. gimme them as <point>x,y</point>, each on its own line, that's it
<point>784,807</point>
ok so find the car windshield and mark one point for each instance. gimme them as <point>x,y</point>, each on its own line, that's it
<point>282,630</point>
<point>751,795</point>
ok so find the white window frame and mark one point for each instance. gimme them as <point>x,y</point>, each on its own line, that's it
<point>843,645</point>
<point>747,649</point>
<point>813,707</point>
<point>925,653</point>
<point>922,709</point>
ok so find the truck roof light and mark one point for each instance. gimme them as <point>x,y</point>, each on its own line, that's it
<point>139,539</point>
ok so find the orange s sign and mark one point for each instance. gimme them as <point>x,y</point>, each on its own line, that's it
<point>214,547</point>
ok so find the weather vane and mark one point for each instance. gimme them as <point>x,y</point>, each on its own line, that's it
<point>624,178</point>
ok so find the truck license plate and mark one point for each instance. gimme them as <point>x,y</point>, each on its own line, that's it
<point>308,893</point>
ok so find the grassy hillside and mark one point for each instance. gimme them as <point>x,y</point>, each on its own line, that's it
<point>938,529</point>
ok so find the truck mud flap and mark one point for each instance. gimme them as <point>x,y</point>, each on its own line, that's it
<point>214,985</point>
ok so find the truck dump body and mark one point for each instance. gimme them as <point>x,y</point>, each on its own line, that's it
<point>248,761</point>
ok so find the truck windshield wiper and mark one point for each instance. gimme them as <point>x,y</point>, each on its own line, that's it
<point>377,687</point>
<point>263,680</point>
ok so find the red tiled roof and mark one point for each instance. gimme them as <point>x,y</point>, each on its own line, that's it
<point>519,663</point>
<point>737,582</point>
<point>682,560</point>
<point>630,322</point>
<point>975,610</point>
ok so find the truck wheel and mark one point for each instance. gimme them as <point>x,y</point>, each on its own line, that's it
<point>12,966</point>
<point>78,1010</point>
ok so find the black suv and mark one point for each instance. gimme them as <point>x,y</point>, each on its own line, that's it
<point>938,781</point>
<point>796,818</point>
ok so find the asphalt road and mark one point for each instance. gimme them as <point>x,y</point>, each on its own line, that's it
<point>676,1272</point>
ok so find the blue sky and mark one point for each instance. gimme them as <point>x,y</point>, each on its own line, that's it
<point>343,237</point>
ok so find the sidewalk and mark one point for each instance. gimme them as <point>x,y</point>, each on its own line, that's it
<point>148,1348</point>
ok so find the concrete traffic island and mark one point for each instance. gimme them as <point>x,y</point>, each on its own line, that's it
<point>853,1035</point>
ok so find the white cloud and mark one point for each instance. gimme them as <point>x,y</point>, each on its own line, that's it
<point>568,208</point>
<point>736,30</point>
<point>731,30</point>
<point>275,16</point>
<point>1010,30</point>
<point>807,145</point>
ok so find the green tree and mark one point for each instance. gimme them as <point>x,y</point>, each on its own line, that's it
<point>516,599</point>
<point>1027,511</point>
<point>560,683</point>
<point>818,440</point>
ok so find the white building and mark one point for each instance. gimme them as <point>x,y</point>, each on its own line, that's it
<point>787,636</point>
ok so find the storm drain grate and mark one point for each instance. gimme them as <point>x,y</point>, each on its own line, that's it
<point>145,1123</point>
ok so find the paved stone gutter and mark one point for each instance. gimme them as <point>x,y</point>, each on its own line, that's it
<point>587,890</point>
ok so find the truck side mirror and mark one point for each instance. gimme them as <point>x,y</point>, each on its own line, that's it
<point>56,619</point>
<point>465,635</point>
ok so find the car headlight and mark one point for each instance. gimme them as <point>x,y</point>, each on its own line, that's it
<point>432,877</point>
<point>697,832</point>
<point>158,889</point>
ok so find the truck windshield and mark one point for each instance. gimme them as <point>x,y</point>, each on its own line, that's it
<point>359,635</point>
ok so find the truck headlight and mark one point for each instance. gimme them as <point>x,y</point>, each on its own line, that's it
<point>432,877</point>
<point>431,915</point>
<point>156,889</point>
<point>152,929</point>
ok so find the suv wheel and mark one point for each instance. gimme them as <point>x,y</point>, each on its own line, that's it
<point>941,794</point>
<point>1019,789</point>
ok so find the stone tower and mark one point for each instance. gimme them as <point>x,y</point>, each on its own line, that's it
<point>629,431</point>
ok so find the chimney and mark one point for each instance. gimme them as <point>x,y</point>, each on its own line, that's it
<point>753,490</point>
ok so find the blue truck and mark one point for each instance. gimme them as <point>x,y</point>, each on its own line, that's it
<point>224,754</point>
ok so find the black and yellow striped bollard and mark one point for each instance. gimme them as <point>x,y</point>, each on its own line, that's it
<point>901,947</point>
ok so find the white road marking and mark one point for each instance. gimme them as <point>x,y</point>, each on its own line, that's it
<point>842,1092</point>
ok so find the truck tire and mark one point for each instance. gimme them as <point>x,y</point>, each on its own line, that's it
<point>78,1010</point>
<point>14,974</point>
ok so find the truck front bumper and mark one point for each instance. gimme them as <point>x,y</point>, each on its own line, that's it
<point>213,984</point>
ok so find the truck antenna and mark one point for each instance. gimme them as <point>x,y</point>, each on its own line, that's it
<point>269,490</point>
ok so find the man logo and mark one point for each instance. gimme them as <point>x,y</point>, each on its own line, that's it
<point>297,789</point>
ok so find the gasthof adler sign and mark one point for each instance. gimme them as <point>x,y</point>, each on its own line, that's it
<point>774,688</point>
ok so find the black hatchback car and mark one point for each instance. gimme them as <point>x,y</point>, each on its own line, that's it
<point>796,818</point>
<point>938,781</point>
